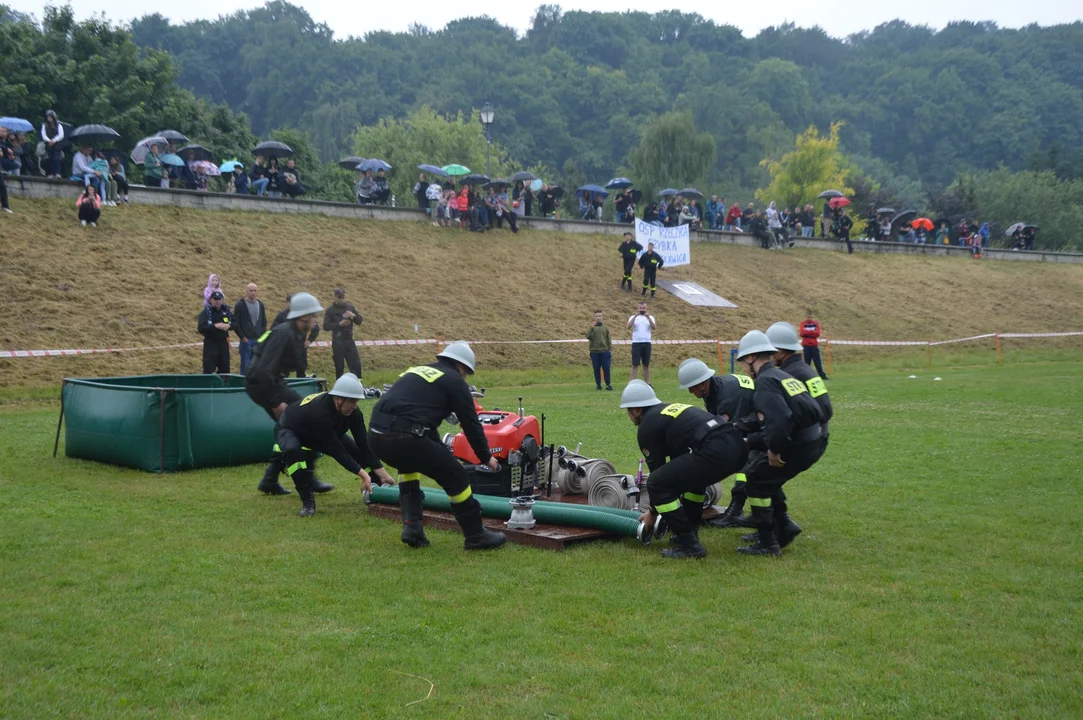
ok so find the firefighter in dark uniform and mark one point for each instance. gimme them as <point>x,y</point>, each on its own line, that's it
<point>701,448</point>
<point>319,424</point>
<point>215,322</point>
<point>786,425</point>
<point>403,433</point>
<point>314,333</point>
<point>729,397</point>
<point>339,320</point>
<point>279,352</point>
<point>651,262</point>
<point>629,250</point>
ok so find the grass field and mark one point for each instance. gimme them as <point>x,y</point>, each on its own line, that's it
<point>940,575</point>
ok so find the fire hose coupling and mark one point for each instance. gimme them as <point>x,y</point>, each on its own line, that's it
<point>661,527</point>
<point>366,495</point>
<point>522,515</point>
<point>644,533</point>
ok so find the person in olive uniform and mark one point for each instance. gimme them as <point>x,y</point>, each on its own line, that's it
<point>339,320</point>
<point>786,425</point>
<point>314,333</point>
<point>403,433</point>
<point>651,262</point>
<point>215,322</point>
<point>629,250</point>
<point>730,398</point>
<point>280,351</point>
<point>701,448</point>
<point>319,423</point>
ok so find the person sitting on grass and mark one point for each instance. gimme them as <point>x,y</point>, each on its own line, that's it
<point>89,205</point>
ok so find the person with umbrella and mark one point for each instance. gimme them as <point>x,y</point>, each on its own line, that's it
<point>258,176</point>
<point>81,170</point>
<point>118,179</point>
<point>522,198</point>
<point>547,199</point>
<point>382,194</point>
<point>240,179</point>
<point>504,210</point>
<point>274,177</point>
<point>154,174</point>
<point>586,206</point>
<point>365,189</point>
<point>421,193</point>
<point>845,223</point>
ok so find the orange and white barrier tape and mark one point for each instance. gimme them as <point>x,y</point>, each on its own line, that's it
<point>432,341</point>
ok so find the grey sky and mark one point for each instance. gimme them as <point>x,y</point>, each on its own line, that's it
<point>358,18</point>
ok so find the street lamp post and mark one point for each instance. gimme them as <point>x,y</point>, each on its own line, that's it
<point>487,122</point>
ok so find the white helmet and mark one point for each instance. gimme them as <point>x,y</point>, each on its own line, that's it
<point>348,386</point>
<point>754,341</point>
<point>459,351</point>
<point>692,372</point>
<point>303,304</point>
<point>784,336</point>
<point>638,394</point>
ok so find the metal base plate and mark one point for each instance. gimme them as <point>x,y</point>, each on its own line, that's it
<point>694,293</point>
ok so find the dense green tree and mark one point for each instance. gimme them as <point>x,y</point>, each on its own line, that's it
<point>672,153</point>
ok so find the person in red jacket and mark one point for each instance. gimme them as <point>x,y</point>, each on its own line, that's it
<point>733,218</point>
<point>810,342</point>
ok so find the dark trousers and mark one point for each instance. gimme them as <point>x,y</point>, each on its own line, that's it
<point>764,482</point>
<point>513,222</point>
<point>601,362</point>
<point>89,213</point>
<point>54,162</point>
<point>3,192</point>
<point>629,263</point>
<point>215,356</point>
<point>122,183</point>
<point>269,397</point>
<point>414,456</point>
<point>649,279</point>
<point>812,357</point>
<point>677,488</point>
<point>845,233</point>
<point>343,351</point>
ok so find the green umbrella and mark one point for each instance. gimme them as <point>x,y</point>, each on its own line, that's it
<point>454,170</point>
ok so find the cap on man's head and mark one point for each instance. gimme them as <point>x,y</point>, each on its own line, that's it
<point>627,234</point>
<point>217,295</point>
<point>340,292</point>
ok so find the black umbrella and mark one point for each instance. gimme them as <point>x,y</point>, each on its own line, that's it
<point>524,176</point>
<point>904,216</point>
<point>828,194</point>
<point>558,191</point>
<point>172,136</point>
<point>1030,227</point>
<point>270,147</point>
<point>93,134</point>
<point>351,162</point>
<point>885,211</point>
<point>692,191</point>
<point>474,179</point>
<point>201,153</point>
<point>635,196</point>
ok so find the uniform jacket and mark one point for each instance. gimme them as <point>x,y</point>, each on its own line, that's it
<point>730,397</point>
<point>279,352</point>
<point>629,249</point>
<point>209,317</point>
<point>320,426</point>
<point>817,388</point>
<point>651,260</point>
<point>425,395</point>
<point>783,407</point>
<point>332,316</point>
<point>668,430</point>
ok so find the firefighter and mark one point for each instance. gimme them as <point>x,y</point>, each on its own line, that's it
<point>403,433</point>
<point>629,250</point>
<point>215,322</point>
<point>280,351</point>
<point>314,333</point>
<point>339,320</point>
<point>701,449</point>
<point>729,397</point>
<point>319,424</point>
<point>650,261</point>
<point>788,358</point>
<point>786,425</point>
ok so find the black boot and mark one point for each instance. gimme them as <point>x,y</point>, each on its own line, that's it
<point>308,502</point>
<point>731,517</point>
<point>685,545</point>
<point>412,504</point>
<point>317,485</point>
<point>786,529</point>
<point>269,484</point>
<point>693,510</point>
<point>644,293</point>
<point>478,537</point>
<point>767,544</point>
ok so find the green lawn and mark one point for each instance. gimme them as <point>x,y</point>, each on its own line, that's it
<point>940,574</point>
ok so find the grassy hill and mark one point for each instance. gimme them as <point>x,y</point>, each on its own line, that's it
<point>137,280</point>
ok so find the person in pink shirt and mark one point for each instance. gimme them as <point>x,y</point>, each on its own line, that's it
<point>89,205</point>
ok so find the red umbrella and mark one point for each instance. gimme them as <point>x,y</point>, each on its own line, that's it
<point>922,223</point>
<point>838,202</point>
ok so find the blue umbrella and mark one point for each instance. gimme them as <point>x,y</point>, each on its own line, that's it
<point>171,159</point>
<point>619,183</point>
<point>373,165</point>
<point>433,170</point>
<point>229,166</point>
<point>15,124</point>
<point>668,191</point>
<point>595,189</point>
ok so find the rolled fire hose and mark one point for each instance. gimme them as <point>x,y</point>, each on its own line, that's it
<point>619,522</point>
<point>712,495</point>
<point>590,470</point>
<point>609,491</point>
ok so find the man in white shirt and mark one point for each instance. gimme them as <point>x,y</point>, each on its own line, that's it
<point>81,170</point>
<point>641,325</point>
